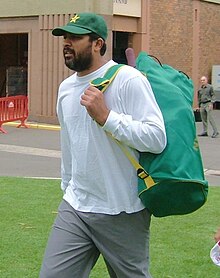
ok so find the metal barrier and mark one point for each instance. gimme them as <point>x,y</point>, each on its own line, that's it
<point>13,109</point>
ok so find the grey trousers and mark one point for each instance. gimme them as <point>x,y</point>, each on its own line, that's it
<point>206,116</point>
<point>77,239</point>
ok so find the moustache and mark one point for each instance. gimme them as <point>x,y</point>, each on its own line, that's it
<point>68,50</point>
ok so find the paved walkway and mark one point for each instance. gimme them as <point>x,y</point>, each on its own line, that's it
<point>36,151</point>
<point>32,152</point>
<point>29,151</point>
<point>210,149</point>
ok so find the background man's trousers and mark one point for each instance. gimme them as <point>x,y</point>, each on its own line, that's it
<point>206,116</point>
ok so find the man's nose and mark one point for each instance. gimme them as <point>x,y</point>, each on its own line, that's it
<point>66,42</point>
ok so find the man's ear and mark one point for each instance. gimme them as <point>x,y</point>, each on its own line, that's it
<point>98,44</point>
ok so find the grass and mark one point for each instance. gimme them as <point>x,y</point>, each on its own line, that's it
<point>179,246</point>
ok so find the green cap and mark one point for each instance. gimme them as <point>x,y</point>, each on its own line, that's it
<point>82,24</point>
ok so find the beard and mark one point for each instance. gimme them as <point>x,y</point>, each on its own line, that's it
<point>80,61</point>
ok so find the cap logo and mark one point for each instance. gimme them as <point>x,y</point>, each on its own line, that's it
<point>74,19</point>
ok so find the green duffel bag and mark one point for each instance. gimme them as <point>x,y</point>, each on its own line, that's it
<point>172,182</point>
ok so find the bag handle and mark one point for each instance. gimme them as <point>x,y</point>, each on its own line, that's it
<point>102,84</point>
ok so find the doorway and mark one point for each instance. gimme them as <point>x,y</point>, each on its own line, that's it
<point>13,64</point>
<point>120,43</point>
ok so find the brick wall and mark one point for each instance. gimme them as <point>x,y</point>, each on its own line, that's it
<point>171,32</point>
<point>209,38</point>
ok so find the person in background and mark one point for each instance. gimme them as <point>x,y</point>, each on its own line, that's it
<point>206,98</point>
<point>101,212</point>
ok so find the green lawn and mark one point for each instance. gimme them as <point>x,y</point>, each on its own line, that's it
<point>179,247</point>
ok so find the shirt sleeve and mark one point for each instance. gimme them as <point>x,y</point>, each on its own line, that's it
<point>141,126</point>
<point>66,159</point>
<point>212,94</point>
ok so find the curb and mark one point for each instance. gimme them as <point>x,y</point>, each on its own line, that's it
<point>35,125</point>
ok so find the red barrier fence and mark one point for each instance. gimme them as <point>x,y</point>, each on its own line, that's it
<point>13,109</point>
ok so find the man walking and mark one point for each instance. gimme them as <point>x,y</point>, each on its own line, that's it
<point>101,212</point>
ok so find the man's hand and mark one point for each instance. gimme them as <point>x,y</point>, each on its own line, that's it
<point>211,106</point>
<point>94,102</point>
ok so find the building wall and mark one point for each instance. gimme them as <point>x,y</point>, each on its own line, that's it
<point>171,32</point>
<point>209,38</point>
<point>11,8</point>
<point>182,33</point>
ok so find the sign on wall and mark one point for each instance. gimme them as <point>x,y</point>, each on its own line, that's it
<point>216,77</point>
<point>216,81</point>
<point>127,7</point>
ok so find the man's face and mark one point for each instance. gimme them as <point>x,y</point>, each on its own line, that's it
<point>203,80</point>
<point>77,52</point>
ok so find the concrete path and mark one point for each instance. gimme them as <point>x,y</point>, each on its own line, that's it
<point>35,152</point>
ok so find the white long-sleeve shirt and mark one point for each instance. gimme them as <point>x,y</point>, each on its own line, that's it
<point>96,175</point>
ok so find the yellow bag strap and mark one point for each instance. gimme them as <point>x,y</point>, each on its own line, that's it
<point>102,84</point>
<point>141,173</point>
